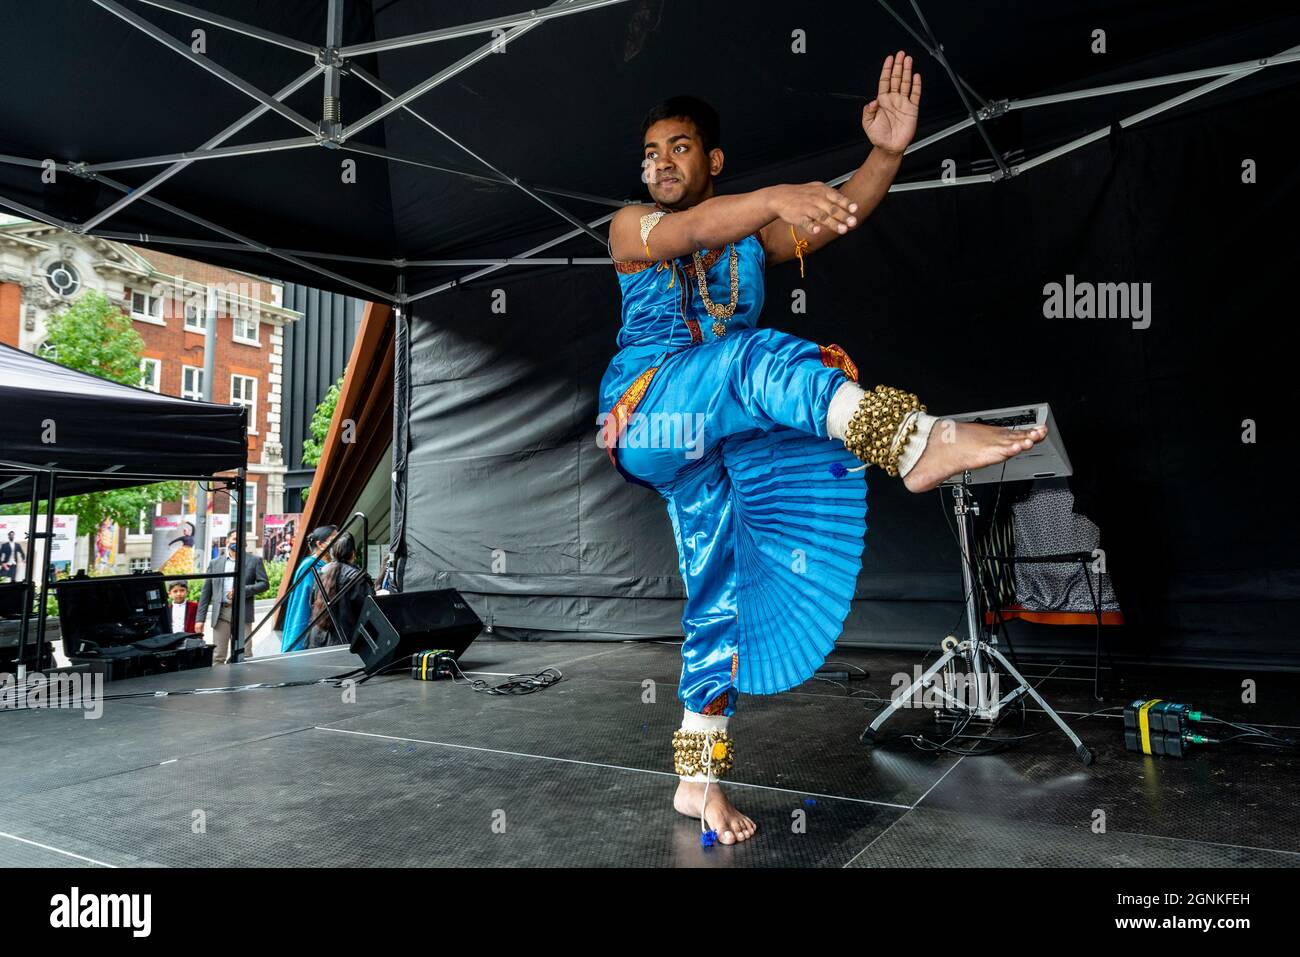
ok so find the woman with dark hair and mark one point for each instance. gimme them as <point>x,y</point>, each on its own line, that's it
<point>339,586</point>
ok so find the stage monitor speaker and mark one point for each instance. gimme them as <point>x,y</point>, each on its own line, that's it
<point>394,627</point>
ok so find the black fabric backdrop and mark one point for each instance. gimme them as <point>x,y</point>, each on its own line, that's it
<point>941,292</point>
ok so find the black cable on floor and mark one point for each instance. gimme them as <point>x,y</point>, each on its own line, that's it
<point>514,684</point>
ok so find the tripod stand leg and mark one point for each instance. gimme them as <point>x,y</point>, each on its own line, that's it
<point>1084,754</point>
<point>902,698</point>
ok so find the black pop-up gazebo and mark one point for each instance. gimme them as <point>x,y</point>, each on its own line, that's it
<point>393,150</point>
<point>68,433</point>
<point>94,430</point>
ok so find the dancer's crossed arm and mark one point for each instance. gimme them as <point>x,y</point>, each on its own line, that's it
<point>819,213</point>
<point>890,124</point>
<point>719,220</point>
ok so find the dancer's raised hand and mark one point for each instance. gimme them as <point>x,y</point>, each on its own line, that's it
<point>890,119</point>
<point>810,206</point>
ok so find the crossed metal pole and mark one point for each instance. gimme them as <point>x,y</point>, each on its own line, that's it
<point>333,61</point>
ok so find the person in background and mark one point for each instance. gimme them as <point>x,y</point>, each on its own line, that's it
<point>183,612</point>
<point>216,615</point>
<point>296,633</point>
<point>344,593</point>
<point>387,575</point>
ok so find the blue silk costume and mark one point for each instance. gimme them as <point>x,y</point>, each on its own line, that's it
<point>297,612</point>
<point>731,431</point>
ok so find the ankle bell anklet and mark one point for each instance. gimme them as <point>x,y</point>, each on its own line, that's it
<point>703,753</point>
<point>876,433</point>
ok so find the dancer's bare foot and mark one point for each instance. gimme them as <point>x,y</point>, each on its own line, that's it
<point>957,446</point>
<point>719,814</point>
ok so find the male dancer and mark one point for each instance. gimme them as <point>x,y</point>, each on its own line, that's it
<point>768,482</point>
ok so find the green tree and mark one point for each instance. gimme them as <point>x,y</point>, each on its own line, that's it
<point>314,445</point>
<point>94,336</point>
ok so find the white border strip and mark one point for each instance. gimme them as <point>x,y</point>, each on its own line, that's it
<point>597,764</point>
<point>46,847</point>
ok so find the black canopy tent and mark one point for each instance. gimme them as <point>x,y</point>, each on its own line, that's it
<point>390,150</point>
<point>57,418</point>
<point>65,432</point>
<point>514,136</point>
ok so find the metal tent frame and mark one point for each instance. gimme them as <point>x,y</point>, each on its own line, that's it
<point>333,62</point>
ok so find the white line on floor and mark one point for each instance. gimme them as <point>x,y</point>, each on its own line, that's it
<point>960,759</point>
<point>597,764</point>
<point>46,847</point>
<point>293,654</point>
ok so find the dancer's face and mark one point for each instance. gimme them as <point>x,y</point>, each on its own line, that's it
<point>679,173</point>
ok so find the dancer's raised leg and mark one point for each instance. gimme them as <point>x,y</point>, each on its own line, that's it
<point>889,428</point>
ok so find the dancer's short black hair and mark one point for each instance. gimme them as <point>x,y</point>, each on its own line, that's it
<point>692,108</point>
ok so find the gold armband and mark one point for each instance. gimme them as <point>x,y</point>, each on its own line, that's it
<point>648,222</point>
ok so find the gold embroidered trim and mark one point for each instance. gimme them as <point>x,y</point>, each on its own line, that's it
<point>835,357</point>
<point>710,257</point>
<point>618,416</point>
<point>719,704</point>
<point>631,267</point>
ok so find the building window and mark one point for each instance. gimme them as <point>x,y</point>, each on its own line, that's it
<point>191,382</point>
<point>150,374</point>
<point>62,278</point>
<point>140,565</point>
<point>243,391</point>
<point>196,313</point>
<point>246,327</point>
<point>146,308</point>
<point>250,512</point>
<point>47,351</point>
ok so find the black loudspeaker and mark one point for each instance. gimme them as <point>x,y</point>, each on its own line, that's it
<point>394,627</point>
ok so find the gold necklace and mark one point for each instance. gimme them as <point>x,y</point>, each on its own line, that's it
<point>721,314</point>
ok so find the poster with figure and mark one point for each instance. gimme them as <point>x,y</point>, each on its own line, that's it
<point>278,533</point>
<point>173,551</point>
<point>16,551</point>
<point>105,547</point>
<point>218,531</point>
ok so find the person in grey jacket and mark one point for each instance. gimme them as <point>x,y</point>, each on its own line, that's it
<point>215,615</point>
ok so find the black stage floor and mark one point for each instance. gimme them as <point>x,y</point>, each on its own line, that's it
<point>417,773</point>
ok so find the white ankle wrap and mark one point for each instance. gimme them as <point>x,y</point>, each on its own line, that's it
<point>916,442</point>
<point>843,404</point>
<point>717,724</point>
<point>694,721</point>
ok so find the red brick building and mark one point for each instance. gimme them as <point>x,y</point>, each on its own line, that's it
<point>44,269</point>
